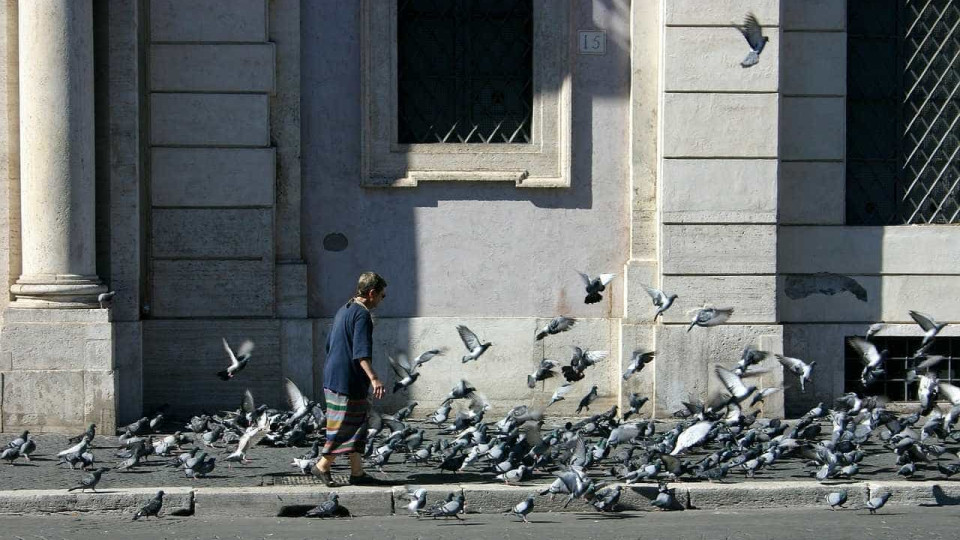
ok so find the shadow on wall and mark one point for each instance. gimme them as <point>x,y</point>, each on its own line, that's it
<point>463,250</point>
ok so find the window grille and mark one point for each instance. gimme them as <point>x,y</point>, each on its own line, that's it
<point>464,71</point>
<point>903,112</point>
<point>893,383</point>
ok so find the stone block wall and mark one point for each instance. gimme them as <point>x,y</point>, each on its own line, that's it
<point>718,193</point>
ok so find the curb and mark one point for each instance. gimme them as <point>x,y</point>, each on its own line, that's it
<point>292,501</point>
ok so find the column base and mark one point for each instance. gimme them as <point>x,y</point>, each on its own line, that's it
<point>57,370</point>
<point>61,291</point>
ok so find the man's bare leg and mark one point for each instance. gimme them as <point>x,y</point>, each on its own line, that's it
<point>356,464</point>
<point>326,462</point>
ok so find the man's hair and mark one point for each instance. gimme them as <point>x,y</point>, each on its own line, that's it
<point>370,281</point>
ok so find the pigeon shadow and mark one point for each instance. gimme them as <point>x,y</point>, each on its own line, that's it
<point>942,498</point>
<point>442,478</point>
<point>460,523</point>
<point>606,516</point>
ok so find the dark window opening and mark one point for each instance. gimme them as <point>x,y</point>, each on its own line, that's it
<point>903,112</point>
<point>894,383</point>
<point>465,71</point>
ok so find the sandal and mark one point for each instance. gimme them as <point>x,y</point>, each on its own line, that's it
<point>324,477</point>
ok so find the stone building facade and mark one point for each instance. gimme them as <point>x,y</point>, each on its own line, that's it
<point>229,167</point>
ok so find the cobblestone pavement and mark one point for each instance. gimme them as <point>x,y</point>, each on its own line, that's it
<point>272,466</point>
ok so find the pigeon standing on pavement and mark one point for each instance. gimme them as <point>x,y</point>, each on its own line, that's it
<point>474,346</point>
<point>665,499</point>
<point>90,433</point>
<point>876,503</point>
<point>595,286</point>
<point>106,299</point>
<point>710,316</point>
<point>90,481</point>
<point>238,360</point>
<point>523,508</point>
<point>452,508</point>
<point>661,300</point>
<point>753,33</point>
<point>152,508</point>
<point>418,500</point>
<point>78,448</point>
<point>329,508</point>
<point>837,499</point>
<point>555,326</point>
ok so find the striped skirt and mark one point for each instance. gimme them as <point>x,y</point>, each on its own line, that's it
<point>346,423</point>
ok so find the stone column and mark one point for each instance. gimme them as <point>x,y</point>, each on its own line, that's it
<point>57,155</point>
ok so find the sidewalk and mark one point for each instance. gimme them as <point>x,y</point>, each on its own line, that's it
<point>271,486</point>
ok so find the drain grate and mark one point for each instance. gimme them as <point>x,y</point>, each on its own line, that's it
<point>299,480</point>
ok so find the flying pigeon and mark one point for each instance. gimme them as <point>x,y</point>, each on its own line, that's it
<point>595,286</point>
<point>560,392</point>
<point>588,399</point>
<point>873,330</point>
<point>930,326</point>
<point>872,359</point>
<point>406,374</point>
<point>152,508</point>
<point>754,35</point>
<point>734,384</point>
<point>797,367</point>
<point>543,372</point>
<point>474,347</point>
<point>661,300</point>
<point>636,401</point>
<point>555,326</point>
<point>425,357</point>
<point>238,360</point>
<point>582,359</point>
<point>709,316</point>
<point>639,359</point>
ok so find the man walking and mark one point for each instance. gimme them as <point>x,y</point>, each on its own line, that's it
<point>347,378</point>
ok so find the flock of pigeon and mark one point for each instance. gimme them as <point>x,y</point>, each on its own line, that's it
<point>724,430</point>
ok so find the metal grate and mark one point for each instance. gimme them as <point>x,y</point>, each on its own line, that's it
<point>903,112</point>
<point>465,71</point>
<point>894,384</point>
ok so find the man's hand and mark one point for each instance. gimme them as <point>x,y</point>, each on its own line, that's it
<point>378,389</point>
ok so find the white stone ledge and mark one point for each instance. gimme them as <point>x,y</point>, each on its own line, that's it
<point>719,249</point>
<point>708,59</point>
<point>719,191</point>
<point>210,119</point>
<point>213,68</point>
<point>813,128</point>
<point>213,176</point>
<point>917,249</point>
<point>208,20</point>
<point>814,63</point>
<point>720,125</point>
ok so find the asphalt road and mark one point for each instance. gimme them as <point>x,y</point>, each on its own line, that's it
<point>893,522</point>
